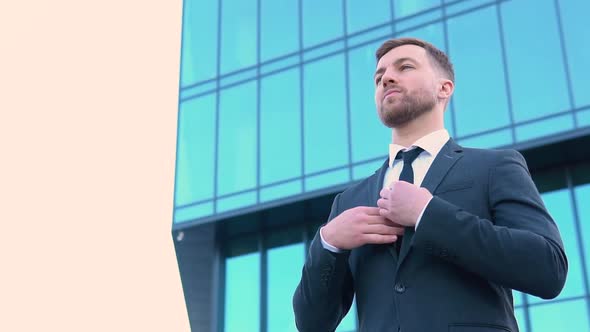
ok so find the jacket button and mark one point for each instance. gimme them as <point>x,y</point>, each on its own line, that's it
<point>400,288</point>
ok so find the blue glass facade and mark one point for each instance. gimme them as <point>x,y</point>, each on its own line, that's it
<point>276,106</point>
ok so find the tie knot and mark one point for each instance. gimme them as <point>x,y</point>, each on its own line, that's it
<point>409,156</point>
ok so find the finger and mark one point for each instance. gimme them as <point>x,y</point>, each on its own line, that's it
<point>383,229</point>
<point>385,192</point>
<point>368,210</point>
<point>378,219</point>
<point>382,203</point>
<point>379,238</point>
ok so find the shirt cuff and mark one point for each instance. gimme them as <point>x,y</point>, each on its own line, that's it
<point>419,217</point>
<point>328,246</point>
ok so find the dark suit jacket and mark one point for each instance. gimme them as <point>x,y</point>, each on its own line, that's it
<point>485,232</point>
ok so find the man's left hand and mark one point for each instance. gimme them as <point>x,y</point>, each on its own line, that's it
<point>403,202</point>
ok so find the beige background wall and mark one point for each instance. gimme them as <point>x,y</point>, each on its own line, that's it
<point>88,108</point>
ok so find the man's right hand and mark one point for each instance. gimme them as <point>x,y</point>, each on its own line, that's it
<point>359,226</point>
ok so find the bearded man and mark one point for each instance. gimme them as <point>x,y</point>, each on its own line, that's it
<point>440,235</point>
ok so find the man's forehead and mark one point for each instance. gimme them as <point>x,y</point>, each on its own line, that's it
<point>405,51</point>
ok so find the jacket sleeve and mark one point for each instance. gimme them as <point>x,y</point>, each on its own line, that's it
<point>324,294</point>
<point>520,247</point>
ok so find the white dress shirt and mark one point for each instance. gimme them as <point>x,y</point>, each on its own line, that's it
<point>431,144</point>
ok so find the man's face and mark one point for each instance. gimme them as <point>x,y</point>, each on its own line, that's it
<point>405,85</point>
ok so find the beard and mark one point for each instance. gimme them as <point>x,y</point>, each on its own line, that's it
<point>406,107</point>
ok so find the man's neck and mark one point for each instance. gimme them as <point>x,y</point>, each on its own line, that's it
<point>411,132</point>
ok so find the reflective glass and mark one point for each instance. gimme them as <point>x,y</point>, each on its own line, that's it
<point>279,25</point>
<point>327,179</point>
<point>535,64</point>
<point>322,21</point>
<point>558,203</point>
<point>242,293</point>
<point>406,8</point>
<point>582,199</point>
<point>583,118</point>
<point>238,34</point>
<point>193,212</point>
<point>544,127</point>
<point>360,16</point>
<point>480,91</point>
<point>567,316</point>
<point>195,151</point>
<point>237,139</point>
<point>280,122</point>
<point>280,191</point>
<point>517,298</point>
<point>370,138</point>
<point>491,140</point>
<point>348,323</point>
<point>236,201</point>
<point>199,32</point>
<point>284,273</point>
<point>325,127</point>
<point>520,319</point>
<point>576,31</point>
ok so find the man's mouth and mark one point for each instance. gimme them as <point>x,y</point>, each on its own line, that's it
<point>391,92</point>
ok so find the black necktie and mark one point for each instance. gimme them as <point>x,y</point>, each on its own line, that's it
<point>407,175</point>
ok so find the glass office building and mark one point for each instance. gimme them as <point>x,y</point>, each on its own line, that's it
<point>276,115</point>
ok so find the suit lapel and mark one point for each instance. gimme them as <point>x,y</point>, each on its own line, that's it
<point>450,153</point>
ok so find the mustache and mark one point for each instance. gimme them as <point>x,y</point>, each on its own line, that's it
<point>393,87</point>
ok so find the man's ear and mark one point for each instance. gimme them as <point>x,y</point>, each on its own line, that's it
<point>446,89</point>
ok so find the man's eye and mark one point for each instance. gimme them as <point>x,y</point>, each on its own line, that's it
<point>404,67</point>
<point>377,80</point>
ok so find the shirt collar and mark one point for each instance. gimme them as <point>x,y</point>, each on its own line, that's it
<point>431,143</point>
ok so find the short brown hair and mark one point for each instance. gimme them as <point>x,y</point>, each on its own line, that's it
<point>437,57</point>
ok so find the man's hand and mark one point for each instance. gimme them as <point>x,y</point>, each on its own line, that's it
<point>403,202</point>
<point>358,226</point>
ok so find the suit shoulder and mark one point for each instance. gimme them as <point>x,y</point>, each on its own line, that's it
<point>494,156</point>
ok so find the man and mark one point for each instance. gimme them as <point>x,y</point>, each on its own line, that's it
<point>438,237</point>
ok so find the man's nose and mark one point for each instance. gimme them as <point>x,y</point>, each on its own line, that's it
<point>388,79</point>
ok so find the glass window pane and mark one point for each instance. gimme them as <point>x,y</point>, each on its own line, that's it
<point>238,34</point>
<point>535,65</point>
<point>359,16</point>
<point>237,139</point>
<point>491,140</point>
<point>479,72</point>
<point>565,316</point>
<point>348,323</point>
<point>242,293</point>
<point>582,198</point>
<point>280,121</point>
<point>281,191</point>
<point>284,272</point>
<point>406,8</point>
<point>322,21</point>
<point>370,137</point>
<point>325,131</point>
<point>236,201</point>
<point>279,24</point>
<point>328,179</point>
<point>544,127</point>
<point>576,31</point>
<point>195,155</point>
<point>193,212</point>
<point>520,319</point>
<point>583,118</point>
<point>199,32</point>
<point>558,203</point>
